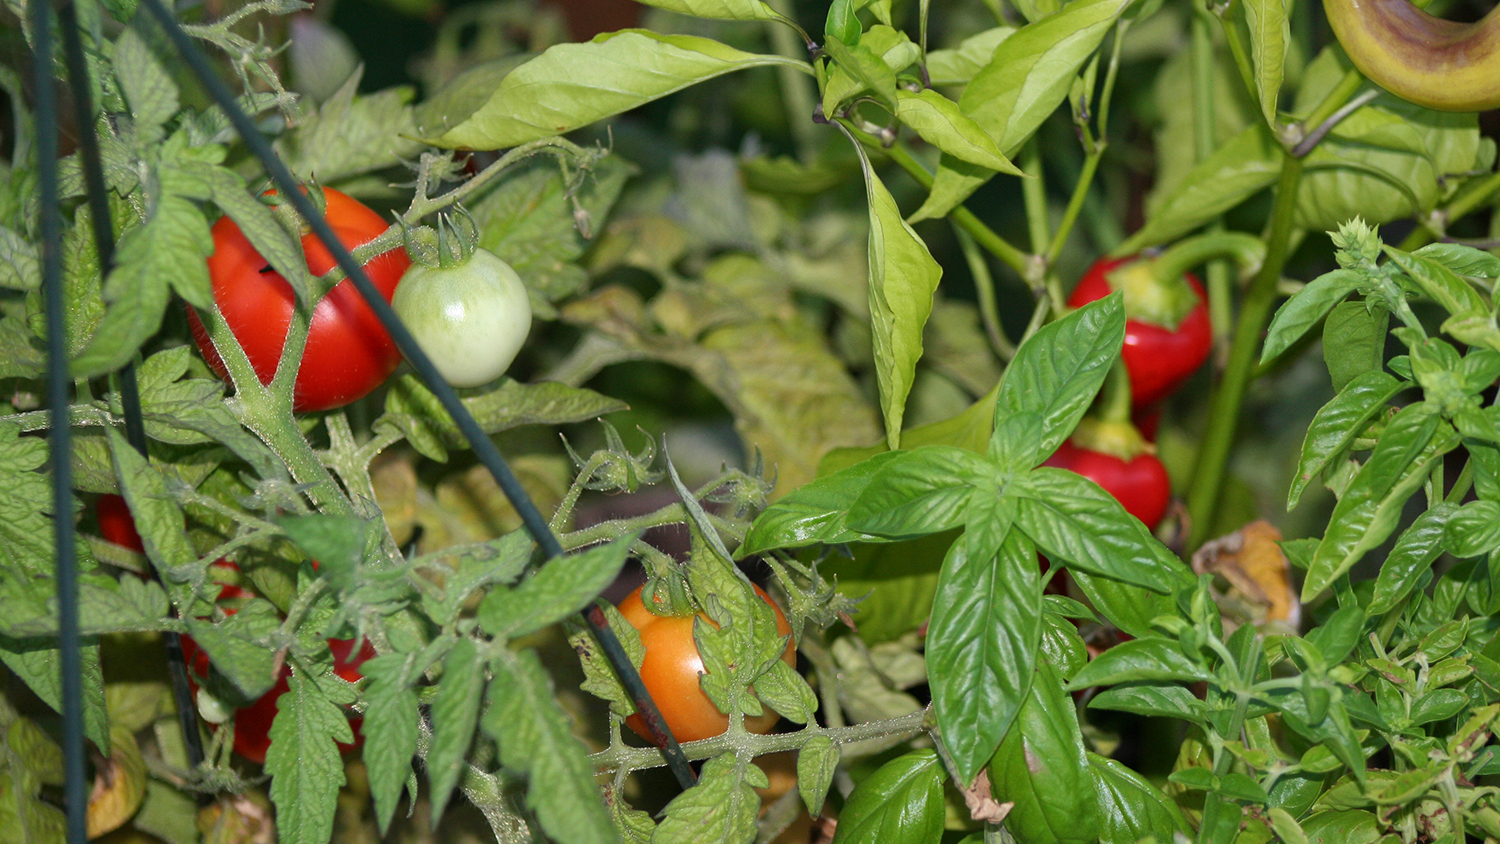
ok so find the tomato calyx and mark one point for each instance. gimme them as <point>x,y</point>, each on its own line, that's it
<point>1152,298</point>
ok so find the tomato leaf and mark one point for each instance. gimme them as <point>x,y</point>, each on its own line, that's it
<point>901,801</point>
<point>536,741</point>
<point>166,253</point>
<point>720,808</point>
<point>338,543</point>
<point>982,640</point>
<point>241,646</point>
<point>572,85</point>
<point>303,762</point>
<point>1056,374</point>
<point>1041,768</point>
<point>147,86</point>
<point>1026,79</point>
<point>817,761</point>
<point>918,492</point>
<point>1338,423</point>
<point>455,714</point>
<point>557,590</point>
<point>390,731</point>
<point>351,134</point>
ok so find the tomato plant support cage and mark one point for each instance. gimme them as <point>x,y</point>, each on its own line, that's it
<point>69,639</point>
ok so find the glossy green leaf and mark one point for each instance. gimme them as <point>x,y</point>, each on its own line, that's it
<point>957,66</point>
<point>1462,259</point>
<point>1338,423</point>
<point>557,590</point>
<point>1130,807</point>
<point>1057,372</point>
<point>1306,308</point>
<point>1152,658</point>
<point>1026,79</point>
<point>814,512</point>
<point>903,276</point>
<point>536,741</point>
<point>1371,508</point>
<point>1354,341</point>
<point>1440,284</point>
<point>1339,633</point>
<point>1151,698</point>
<point>1474,529</point>
<point>303,762</point>
<point>1413,554</point>
<point>939,122</point>
<point>455,715</point>
<point>1041,766</point>
<point>922,491</point>
<point>1241,167</point>
<point>981,644</point>
<point>1071,519</point>
<point>572,85</point>
<point>901,801</point>
<point>866,70</point>
<point>1350,826</point>
<point>1266,23</point>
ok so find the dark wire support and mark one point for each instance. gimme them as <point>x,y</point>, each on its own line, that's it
<point>484,449</point>
<point>130,398</point>
<point>70,645</point>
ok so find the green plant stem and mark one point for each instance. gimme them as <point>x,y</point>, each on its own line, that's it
<point>1220,291</point>
<point>1034,194</point>
<point>965,219</point>
<point>796,96</point>
<point>1206,487</point>
<point>984,288</point>
<point>893,730</point>
<point>1075,203</point>
<point>1471,196</point>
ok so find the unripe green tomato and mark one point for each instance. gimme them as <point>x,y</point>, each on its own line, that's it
<point>470,319</point>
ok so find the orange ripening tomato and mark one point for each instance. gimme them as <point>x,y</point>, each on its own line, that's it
<point>348,353</point>
<point>671,668</point>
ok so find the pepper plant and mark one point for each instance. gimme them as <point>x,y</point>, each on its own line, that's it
<point>872,291</point>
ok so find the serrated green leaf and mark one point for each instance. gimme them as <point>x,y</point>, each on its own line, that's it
<point>40,668</point>
<point>303,762</point>
<point>351,134</point>
<point>573,85</point>
<point>147,87</point>
<point>455,714</point>
<point>536,741</point>
<point>720,809</point>
<point>390,730</point>
<point>337,542</point>
<point>166,253</point>
<point>982,643</point>
<point>19,267</point>
<point>240,646</point>
<point>816,763</point>
<point>559,589</point>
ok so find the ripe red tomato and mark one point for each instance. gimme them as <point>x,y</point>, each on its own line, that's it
<point>348,351</point>
<point>671,668</point>
<point>1158,358</point>
<point>1139,484</point>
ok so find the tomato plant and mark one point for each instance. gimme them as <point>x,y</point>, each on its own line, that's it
<point>470,317</point>
<point>1164,344</point>
<point>348,352</point>
<point>671,668</point>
